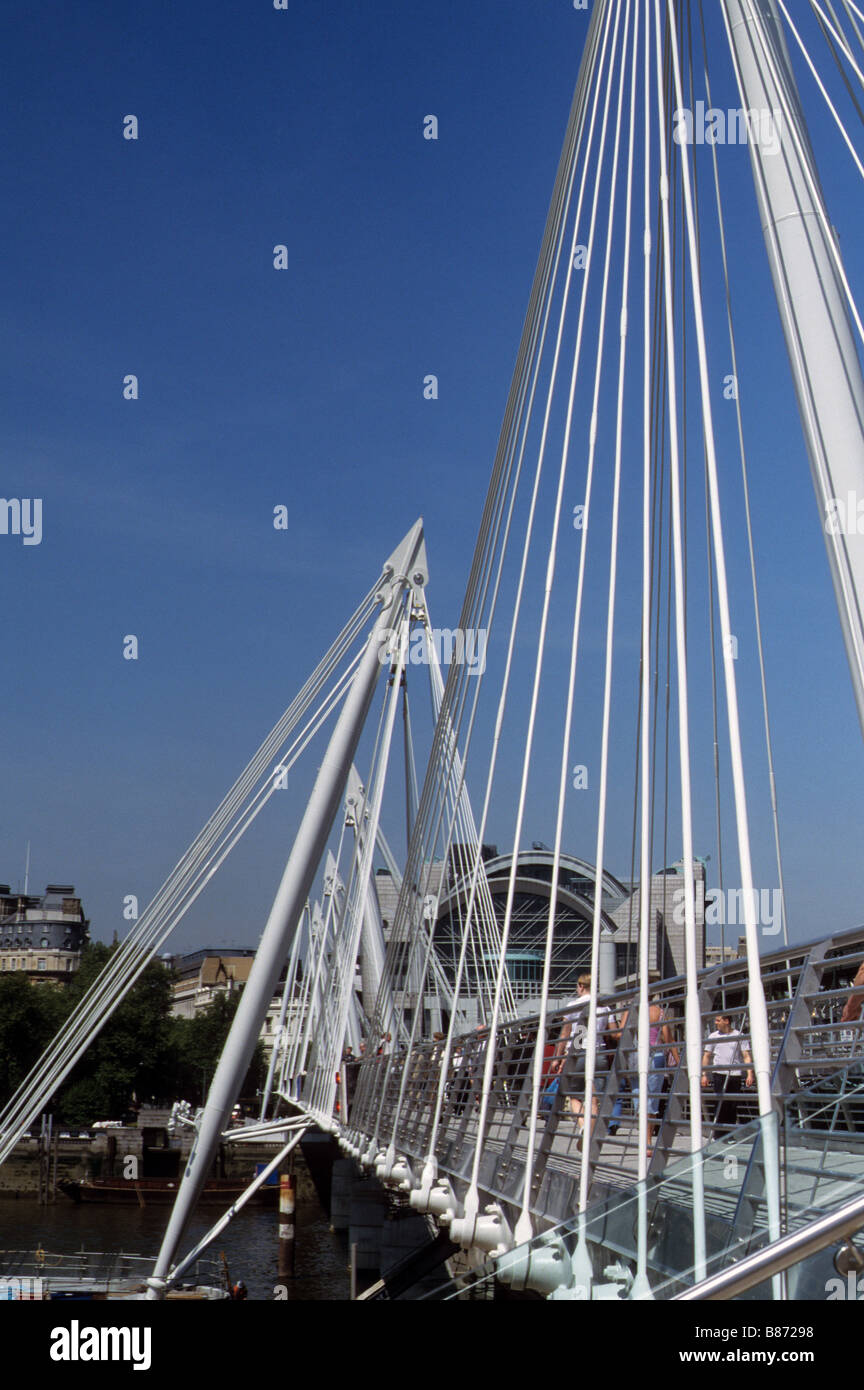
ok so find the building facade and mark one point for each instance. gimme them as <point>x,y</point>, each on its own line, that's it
<point>575,896</point>
<point>202,975</point>
<point>42,936</point>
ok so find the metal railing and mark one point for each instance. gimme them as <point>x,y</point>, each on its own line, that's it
<point>100,1271</point>
<point>820,1137</point>
<point>806,988</point>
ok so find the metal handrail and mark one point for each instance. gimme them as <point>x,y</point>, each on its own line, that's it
<point>806,1034</point>
<point>772,1259</point>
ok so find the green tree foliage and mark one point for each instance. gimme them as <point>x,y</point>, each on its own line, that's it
<point>133,1058</point>
<point>142,1054</point>
<point>30,1015</point>
<point>199,1042</point>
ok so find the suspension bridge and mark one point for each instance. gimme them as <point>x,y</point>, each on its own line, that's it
<point>431,1027</point>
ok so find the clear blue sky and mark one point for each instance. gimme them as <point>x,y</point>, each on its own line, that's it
<point>301,387</point>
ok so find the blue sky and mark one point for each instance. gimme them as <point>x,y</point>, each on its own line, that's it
<point>304,388</point>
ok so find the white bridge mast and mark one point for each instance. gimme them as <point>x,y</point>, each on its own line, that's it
<point>805,261</point>
<point>406,569</point>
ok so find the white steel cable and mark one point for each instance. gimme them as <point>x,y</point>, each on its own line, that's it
<point>341,978</point>
<point>258,1181</point>
<point>143,951</point>
<point>454,797</point>
<point>591,1052</point>
<point>422,941</point>
<point>641,1288</point>
<point>326,1018</point>
<point>542,289</point>
<point>442,983</point>
<point>334,979</point>
<point>472,1196</point>
<point>772,782</point>
<point>847,601</point>
<point>790,125</point>
<point>312,995</point>
<point>319,946</point>
<point>280,1040</point>
<point>444,759</point>
<point>821,85</point>
<point>412,790</point>
<point>468,836</point>
<point>146,929</point>
<point>524,1225</point>
<point>595,64</point>
<point>122,971</point>
<point>488,928</point>
<point>693,1018</point>
<point>836,33</point>
<point>759,1027</point>
<point>849,8</point>
<point>354,911</point>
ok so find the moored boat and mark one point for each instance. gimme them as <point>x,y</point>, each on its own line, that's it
<point>158,1191</point>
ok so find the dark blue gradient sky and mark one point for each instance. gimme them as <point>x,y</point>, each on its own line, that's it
<point>304,388</point>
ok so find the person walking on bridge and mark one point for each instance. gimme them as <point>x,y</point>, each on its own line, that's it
<point>663,1056</point>
<point>574,1037</point>
<point>727,1053</point>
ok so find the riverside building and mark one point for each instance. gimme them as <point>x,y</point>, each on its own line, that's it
<point>42,936</point>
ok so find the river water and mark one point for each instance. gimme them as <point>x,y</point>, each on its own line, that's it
<point>249,1242</point>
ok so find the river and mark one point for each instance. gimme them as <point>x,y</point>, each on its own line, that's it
<point>249,1242</point>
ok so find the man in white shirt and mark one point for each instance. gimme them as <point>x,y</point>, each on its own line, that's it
<point>574,1037</point>
<point>727,1053</point>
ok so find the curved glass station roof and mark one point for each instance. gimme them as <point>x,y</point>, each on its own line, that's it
<point>574,912</point>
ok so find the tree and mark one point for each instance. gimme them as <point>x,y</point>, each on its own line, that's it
<point>199,1042</point>
<point>133,1056</point>
<point>30,1015</point>
<point>141,1053</point>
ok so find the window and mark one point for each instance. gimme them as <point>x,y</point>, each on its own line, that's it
<point>41,963</point>
<point>626,958</point>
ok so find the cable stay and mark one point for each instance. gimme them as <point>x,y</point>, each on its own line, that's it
<point>519,1043</point>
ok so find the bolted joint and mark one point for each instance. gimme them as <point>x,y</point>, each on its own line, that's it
<point>489,1232</point>
<point>401,1176</point>
<point>443,1202</point>
<point>541,1267</point>
<point>368,1156</point>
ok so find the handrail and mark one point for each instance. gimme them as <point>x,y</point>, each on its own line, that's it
<point>772,1259</point>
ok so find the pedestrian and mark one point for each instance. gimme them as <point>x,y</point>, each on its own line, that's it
<point>727,1053</point>
<point>662,1054</point>
<point>574,1037</point>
